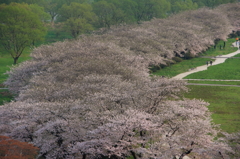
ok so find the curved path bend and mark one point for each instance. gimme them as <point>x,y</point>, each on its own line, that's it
<point>218,60</point>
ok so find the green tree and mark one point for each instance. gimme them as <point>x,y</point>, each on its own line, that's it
<point>78,18</point>
<point>128,6</point>
<point>4,1</point>
<point>40,12</point>
<point>51,7</point>
<point>68,2</point>
<point>22,1</point>
<point>177,6</point>
<point>148,9</point>
<point>20,27</point>
<point>114,12</point>
<point>212,3</point>
<point>124,12</point>
<point>105,12</point>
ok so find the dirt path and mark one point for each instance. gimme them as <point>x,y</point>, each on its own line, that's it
<point>218,60</point>
<point>201,84</point>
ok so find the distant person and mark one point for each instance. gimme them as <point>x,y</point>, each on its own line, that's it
<point>207,63</point>
<point>236,40</point>
<point>211,62</point>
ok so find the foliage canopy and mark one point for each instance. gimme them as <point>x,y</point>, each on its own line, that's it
<point>20,27</point>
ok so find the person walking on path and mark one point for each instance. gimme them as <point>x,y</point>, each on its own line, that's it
<point>207,63</point>
<point>211,62</point>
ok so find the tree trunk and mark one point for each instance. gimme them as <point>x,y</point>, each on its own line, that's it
<point>133,154</point>
<point>15,60</point>
<point>185,153</point>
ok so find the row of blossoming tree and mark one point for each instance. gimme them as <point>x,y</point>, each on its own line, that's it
<point>93,97</point>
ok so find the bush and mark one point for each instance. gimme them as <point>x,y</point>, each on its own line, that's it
<point>154,68</point>
<point>189,55</point>
<point>14,149</point>
<point>177,59</point>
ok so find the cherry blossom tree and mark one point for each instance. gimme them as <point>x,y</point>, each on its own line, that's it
<point>98,101</point>
<point>230,10</point>
<point>234,141</point>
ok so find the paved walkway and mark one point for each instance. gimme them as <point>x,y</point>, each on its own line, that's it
<point>204,67</point>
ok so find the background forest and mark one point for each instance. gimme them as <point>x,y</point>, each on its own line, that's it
<point>83,16</point>
<point>93,96</point>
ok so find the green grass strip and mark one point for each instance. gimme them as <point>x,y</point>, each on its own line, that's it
<point>6,63</point>
<point>215,82</point>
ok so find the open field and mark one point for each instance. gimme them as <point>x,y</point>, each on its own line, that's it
<point>6,61</point>
<point>224,104</point>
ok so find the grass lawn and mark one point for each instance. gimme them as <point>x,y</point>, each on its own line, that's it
<point>224,104</point>
<point>229,70</point>
<point>224,101</point>
<point>228,49</point>
<point>6,61</point>
<point>185,65</point>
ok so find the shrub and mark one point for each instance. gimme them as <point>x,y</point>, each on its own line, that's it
<point>188,55</point>
<point>13,149</point>
<point>177,59</point>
